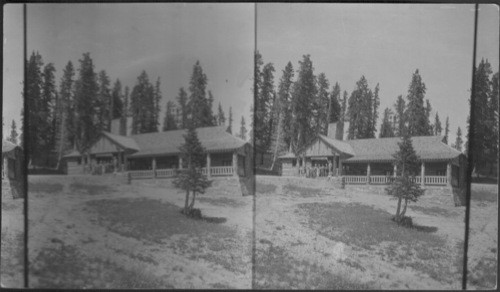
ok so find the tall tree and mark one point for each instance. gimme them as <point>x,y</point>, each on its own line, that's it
<point>285,99</point>
<point>263,105</point>
<point>210,117</point>
<point>243,129</point>
<point>446,131</point>
<point>48,110</point>
<point>428,110</point>
<point>124,114</point>
<point>221,118</point>
<point>182,99</point>
<point>198,103</point>
<point>458,141</point>
<point>304,91</point>
<point>156,105</point>
<point>190,178</point>
<point>86,104</point>
<point>169,121</point>
<point>33,99</point>
<point>142,104</point>
<point>117,100</point>
<point>66,118</point>
<point>229,128</point>
<point>334,107</point>
<point>320,105</point>
<point>104,108</point>
<point>437,126</point>
<point>361,111</point>
<point>404,186</point>
<point>386,128</point>
<point>374,114</point>
<point>13,133</point>
<point>418,122</point>
<point>400,116</point>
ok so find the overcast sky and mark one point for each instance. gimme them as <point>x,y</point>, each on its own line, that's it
<point>384,42</point>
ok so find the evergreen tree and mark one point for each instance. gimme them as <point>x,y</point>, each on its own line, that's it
<point>156,105</point>
<point>243,129</point>
<point>404,186</point>
<point>198,103</point>
<point>86,105</point>
<point>263,105</point>
<point>418,122</point>
<point>211,119</point>
<point>334,107</point>
<point>117,100</point>
<point>386,128</point>
<point>124,114</point>
<point>169,121</point>
<point>428,110</point>
<point>221,118</point>
<point>33,98</point>
<point>66,116</point>
<point>446,131</point>
<point>458,141</point>
<point>104,107</point>
<point>142,105</point>
<point>304,91</point>
<point>48,110</point>
<point>285,99</point>
<point>230,121</point>
<point>492,118</point>
<point>374,114</point>
<point>182,99</point>
<point>343,116</point>
<point>400,117</point>
<point>320,105</point>
<point>13,133</point>
<point>437,126</point>
<point>190,178</point>
<point>361,111</point>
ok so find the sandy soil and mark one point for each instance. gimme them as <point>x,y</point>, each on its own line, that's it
<point>61,217</point>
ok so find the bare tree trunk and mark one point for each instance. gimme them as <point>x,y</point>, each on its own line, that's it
<point>192,201</point>
<point>404,209</point>
<point>398,216</point>
<point>186,202</point>
<point>62,137</point>
<point>277,142</point>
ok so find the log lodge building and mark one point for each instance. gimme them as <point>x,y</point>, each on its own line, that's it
<point>157,155</point>
<point>371,161</point>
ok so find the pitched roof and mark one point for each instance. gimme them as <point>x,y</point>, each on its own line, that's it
<point>339,145</point>
<point>213,139</point>
<point>426,147</point>
<point>8,146</point>
<point>72,154</point>
<point>123,141</point>
<point>287,155</point>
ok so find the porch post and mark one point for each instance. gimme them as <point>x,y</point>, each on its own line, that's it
<point>154,166</point>
<point>395,171</point>
<point>422,174</point>
<point>208,166</point>
<point>235,163</point>
<point>180,162</point>
<point>448,174</point>
<point>340,166</point>
<point>368,170</point>
<point>334,164</point>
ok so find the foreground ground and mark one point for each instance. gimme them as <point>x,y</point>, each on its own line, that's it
<point>90,232</point>
<point>103,234</point>
<point>311,236</point>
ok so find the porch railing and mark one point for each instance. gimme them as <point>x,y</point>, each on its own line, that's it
<point>170,172</point>
<point>221,170</point>
<point>381,179</point>
<point>167,172</point>
<point>139,174</point>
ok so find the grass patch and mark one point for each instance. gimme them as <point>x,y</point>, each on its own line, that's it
<point>484,195</point>
<point>372,229</point>
<point>222,202</point>
<point>302,191</point>
<point>484,273</point>
<point>12,255</point>
<point>265,188</point>
<point>90,189</point>
<point>51,188</point>
<point>276,269</point>
<point>66,267</point>
<point>433,211</point>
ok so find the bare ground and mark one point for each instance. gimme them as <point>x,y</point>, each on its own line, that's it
<point>12,247</point>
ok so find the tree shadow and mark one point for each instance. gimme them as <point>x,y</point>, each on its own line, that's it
<point>217,220</point>
<point>426,229</point>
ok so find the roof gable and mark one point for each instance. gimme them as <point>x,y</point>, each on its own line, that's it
<point>8,146</point>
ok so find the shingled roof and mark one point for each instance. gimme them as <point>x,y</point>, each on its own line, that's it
<point>8,146</point>
<point>428,148</point>
<point>213,139</point>
<point>123,141</point>
<point>339,145</point>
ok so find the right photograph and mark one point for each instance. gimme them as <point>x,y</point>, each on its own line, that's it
<point>361,126</point>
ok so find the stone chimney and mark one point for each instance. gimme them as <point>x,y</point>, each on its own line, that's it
<point>335,131</point>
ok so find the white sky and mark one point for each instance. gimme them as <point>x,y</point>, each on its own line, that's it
<point>384,42</point>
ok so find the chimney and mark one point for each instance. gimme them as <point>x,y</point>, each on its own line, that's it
<point>332,130</point>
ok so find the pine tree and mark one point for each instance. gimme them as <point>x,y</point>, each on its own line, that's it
<point>190,178</point>
<point>446,131</point>
<point>182,99</point>
<point>437,126</point>
<point>169,121</point>
<point>374,114</point>
<point>47,109</point>
<point>361,111</point>
<point>156,105</point>
<point>304,91</point>
<point>33,98</point>
<point>221,118</point>
<point>198,102</point>
<point>404,186</point>
<point>86,104</point>
<point>400,117</point>
<point>285,98</point>
<point>210,118</point>
<point>386,129</point>
<point>117,100</point>
<point>458,141</point>
<point>124,114</point>
<point>229,128</point>
<point>334,107</point>
<point>428,110</point>
<point>103,109</point>
<point>263,109</point>
<point>243,129</point>
<point>343,116</point>
<point>66,119</point>
<point>320,106</point>
<point>13,133</point>
<point>418,122</point>
<point>142,105</point>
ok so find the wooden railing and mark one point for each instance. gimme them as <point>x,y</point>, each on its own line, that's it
<point>166,172</point>
<point>139,174</point>
<point>381,179</point>
<point>355,179</point>
<point>221,170</point>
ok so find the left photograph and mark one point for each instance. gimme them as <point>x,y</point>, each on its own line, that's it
<point>140,161</point>
<point>13,167</point>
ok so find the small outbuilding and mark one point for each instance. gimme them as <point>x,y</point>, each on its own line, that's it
<point>12,170</point>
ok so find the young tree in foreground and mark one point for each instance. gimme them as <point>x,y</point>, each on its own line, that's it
<point>404,186</point>
<point>229,128</point>
<point>243,129</point>
<point>13,133</point>
<point>190,178</point>
<point>446,131</point>
<point>458,141</point>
